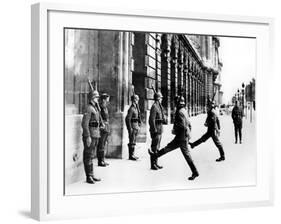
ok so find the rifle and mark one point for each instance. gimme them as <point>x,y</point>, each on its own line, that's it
<point>90,84</point>
<point>96,104</point>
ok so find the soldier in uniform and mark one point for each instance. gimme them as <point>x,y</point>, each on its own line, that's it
<point>91,133</point>
<point>181,130</point>
<point>213,131</point>
<point>237,117</point>
<point>104,132</point>
<point>133,122</point>
<point>156,121</point>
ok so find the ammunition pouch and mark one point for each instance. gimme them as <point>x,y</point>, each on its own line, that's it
<point>134,120</point>
<point>93,124</point>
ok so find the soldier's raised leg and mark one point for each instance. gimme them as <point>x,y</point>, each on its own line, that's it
<point>204,138</point>
<point>168,148</point>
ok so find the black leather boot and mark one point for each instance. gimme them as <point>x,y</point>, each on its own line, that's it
<point>103,159</point>
<point>90,180</point>
<point>193,176</point>
<point>101,163</point>
<point>191,145</point>
<point>157,165</point>
<point>96,179</point>
<point>132,154</point>
<point>222,158</point>
<point>153,163</point>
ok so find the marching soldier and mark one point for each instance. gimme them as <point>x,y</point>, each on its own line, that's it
<point>104,132</point>
<point>181,130</point>
<point>91,123</point>
<point>156,121</point>
<point>133,122</point>
<point>213,131</point>
<point>237,117</point>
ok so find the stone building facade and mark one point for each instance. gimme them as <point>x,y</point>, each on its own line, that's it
<point>119,61</point>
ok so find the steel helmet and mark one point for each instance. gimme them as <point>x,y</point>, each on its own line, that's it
<point>181,100</point>
<point>134,97</point>
<point>104,96</point>
<point>93,94</point>
<point>158,95</point>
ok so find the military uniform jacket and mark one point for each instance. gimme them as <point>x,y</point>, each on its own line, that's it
<point>182,125</point>
<point>156,119</point>
<point>133,118</point>
<point>105,118</point>
<point>237,115</point>
<point>91,122</point>
<point>212,121</point>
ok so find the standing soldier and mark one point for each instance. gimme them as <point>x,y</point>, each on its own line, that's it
<point>104,132</point>
<point>156,121</point>
<point>91,133</point>
<point>181,129</point>
<point>133,122</point>
<point>237,117</point>
<point>213,124</point>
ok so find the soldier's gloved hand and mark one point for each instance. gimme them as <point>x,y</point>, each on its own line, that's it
<point>205,124</point>
<point>89,141</point>
<point>218,132</point>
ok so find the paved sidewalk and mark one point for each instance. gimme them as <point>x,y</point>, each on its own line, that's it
<point>239,168</point>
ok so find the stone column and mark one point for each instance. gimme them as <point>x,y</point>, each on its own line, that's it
<point>174,74</point>
<point>189,85</point>
<point>158,60</point>
<point>180,70</point>
<point>185,77</point>
<point>165,73</point>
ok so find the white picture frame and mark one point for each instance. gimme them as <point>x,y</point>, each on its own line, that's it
<point>47,199</point>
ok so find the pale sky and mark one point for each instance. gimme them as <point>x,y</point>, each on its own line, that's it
<point>238,56</point>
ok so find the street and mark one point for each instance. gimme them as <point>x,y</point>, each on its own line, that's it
<point>239,168</point>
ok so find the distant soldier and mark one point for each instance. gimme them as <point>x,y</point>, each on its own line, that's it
<point>181,130</point>
<point>104,132</point>
<point>237,117</point>
<point>156,121</point>
<point>91,133</point>
<point>133,123</point>
<point>213,124</point>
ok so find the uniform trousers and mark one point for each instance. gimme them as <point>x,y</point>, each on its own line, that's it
<point>183,145</point>
<point>101,145</point>
<point>89,154</point>
<point>155,141</point>
<point>238,131</point>
<point>206,136</point>
<point>133,138</point>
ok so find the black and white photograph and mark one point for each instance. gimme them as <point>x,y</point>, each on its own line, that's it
<point>150,111</point>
